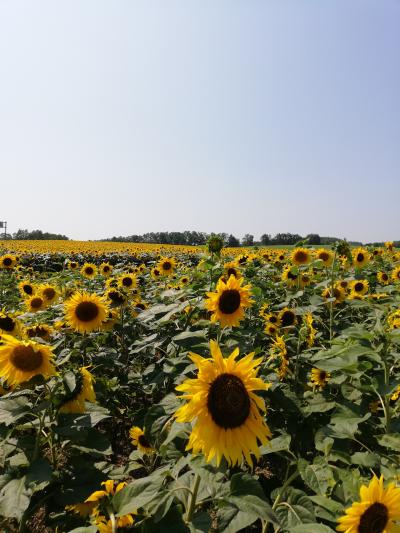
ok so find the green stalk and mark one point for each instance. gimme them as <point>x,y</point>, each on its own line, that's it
<point>193,499</point>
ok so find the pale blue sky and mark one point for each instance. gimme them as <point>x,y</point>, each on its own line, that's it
<point>251,116</point>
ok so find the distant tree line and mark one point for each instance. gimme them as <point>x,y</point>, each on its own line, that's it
<point>197,238</point>
<point>37,235</point>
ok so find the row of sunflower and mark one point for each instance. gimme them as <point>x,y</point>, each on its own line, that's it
<point>154,389</point>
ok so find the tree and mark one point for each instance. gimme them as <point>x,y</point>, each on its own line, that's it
<point>286,238</point>
<point>313,238</point>
<point>233,242</point>
<point>248,240</point>
<point>265,239</point>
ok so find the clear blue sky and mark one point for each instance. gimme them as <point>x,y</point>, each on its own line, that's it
<point>251,116</point>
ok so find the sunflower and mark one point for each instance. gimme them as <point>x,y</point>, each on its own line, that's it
<point>166,266</point>
<point>394,320</point>
<point>39,330</point>
<point>7,261</point>
<point>360,257</point>
<point>140,305</point>
<point>396,274</point>
<point>305,279</point>
<point>127,281</point>
<point>100,501</point>
<point>72,265</point>
<point>85,312</point>
<point>242,259</point>
<point>383,278</point>
<point>271,329</point>
<point>83,392</point>
<point>224,407</point>
<point>228,302</point>
<point>116,297</point>
<point>395,395</point>
<point>287,318</point>
<point>376,511</point>
<point>26,288</point>
<point>48,293</point>
<point>264,310</point>
<point>355,296</point>
<point>35,303</point>
<point>301,256</point>
<point>359,286</point>
<point>272,318</point>
<point>338,293</point>
<point>319,378</point>
<point>231,269</point>
<point>106,526</point>
<point>105,269</point>
<point>325,256</point>
<point>184,280</point>
<point>155,273</point>
<point>389,246</point>
<point>111,319</point>
<point>111,283</point>
<point>290,277</point>
<point>21,360</point>
<point>139,439</point>
<point>310,330</point>
<point>82,509</point>
<point>343,284</point>
<point>278,359</point>
<point>9,324</point>
<point>89,270</point>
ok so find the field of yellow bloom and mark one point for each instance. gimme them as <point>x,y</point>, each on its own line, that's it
<point>177,389</point>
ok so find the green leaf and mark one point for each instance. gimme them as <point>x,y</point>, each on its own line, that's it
<point>278,444</point>
<point>345,421</point>
<point>138,494</point>
<point>390,441</point>
<point>311,528</point>
<point>12,409</point>
<point>318,477</point>
<point>367,459</point>
<point>297,509</point>
<point>14,498</point>
<point>39,474</point>
<point>319,404</point>
<point>190,338</point>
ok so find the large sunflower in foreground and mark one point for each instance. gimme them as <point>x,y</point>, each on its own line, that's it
<point>225,410</point>
<point>85,312</point>
<point>21,360</point>
<point>376,512</point>
<point>229,301</point>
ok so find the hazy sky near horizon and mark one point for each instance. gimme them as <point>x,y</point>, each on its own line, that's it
<point>243,116</point>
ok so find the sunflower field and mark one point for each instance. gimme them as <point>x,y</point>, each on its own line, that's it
<point>177,389</point>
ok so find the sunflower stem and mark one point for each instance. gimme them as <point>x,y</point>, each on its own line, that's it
<point>193,499</point>
<point>113,521</point>
<point>284,487</point>
<point>37,440</point>
<point>332,280</point>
